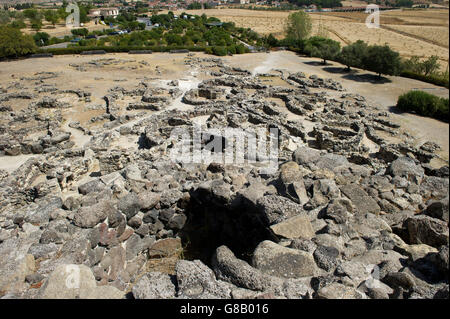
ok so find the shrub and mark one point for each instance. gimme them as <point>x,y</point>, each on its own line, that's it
<point>36,24</point>
<point>241,49</point>
<point>425,104</point>
<point>271,41</point>
<point>433,79</point>
<point>4,17</point>
<point>80,32</point>
<point>323,48</point>
<point>426,67</point>
<point>382,60</point>
<point>219,50</point>
<point>231,49</point>
<point>75,49</point>
<point>41,38</point>
<point>18,24</point>
<point>209,50</point>
<point>14,43</point>
<point>298,26</point>
<point>51,16</point>
<point>295,45</point>
<point>54,40</point>
<point>352,55</point>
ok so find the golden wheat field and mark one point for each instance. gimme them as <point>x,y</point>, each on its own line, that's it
<point>410,32</point>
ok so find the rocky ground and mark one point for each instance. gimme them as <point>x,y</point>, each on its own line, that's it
<point>93,206</point>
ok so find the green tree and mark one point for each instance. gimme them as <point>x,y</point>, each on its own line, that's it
<point>271,40</point>
<point>430,65</point>
<point>80,32</point>
<point>84,11</point>
<point>62,13</point>
<point>194,6</point>
<point>51,16</point>
<point>413,64</point>
<point>31,14</point>
<point>382,60</point>
<point>4,17</point>
<point>298,26</point>
<point>323,48</point>
<point>423,103</point>
<point>36,24</point>
<point>404,3</point>
<point>220,50</point>
<point>18,24</point>
<point>353,54</point>
<point>41,38</point>
<point>13,43</point>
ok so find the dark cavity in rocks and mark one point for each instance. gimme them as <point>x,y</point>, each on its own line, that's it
<point>213,221</point>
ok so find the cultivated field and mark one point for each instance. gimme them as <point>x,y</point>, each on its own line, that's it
<point>410,32</point>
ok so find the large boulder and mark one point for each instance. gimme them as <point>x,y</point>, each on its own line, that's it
<point>95,185</point>
<point>196,280</point>
<point>70,281</point>
<point>136,245</point>
<point>332,162</point>
<point>276,260</point>
<point>323,191</point>
<point>360,199</point>
<point>167,247</point>
<point>275,209</point>
<point>253,192</point>
<point>154,285</point>
<point>294,227</point>
<point>406,167</point>
<point>238,272</point>
<point>326,257</point>
<point>148,199</point>
<point>89,216</point>
<point>291,183</point>
<point>304,155</point>
<point>427,230</point>
<point>438,209</point>
<point>339,291</point>
<point>15,265</point>
<point>129,205</point>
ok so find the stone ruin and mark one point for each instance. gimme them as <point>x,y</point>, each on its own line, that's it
<point>343,200</point>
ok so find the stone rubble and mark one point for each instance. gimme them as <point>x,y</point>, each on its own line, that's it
<point>133,220</point>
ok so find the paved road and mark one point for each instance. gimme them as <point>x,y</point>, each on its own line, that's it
<point>56,46</point>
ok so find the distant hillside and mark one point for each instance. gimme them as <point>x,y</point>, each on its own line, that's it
<point>322,3</point>
<point>26,1</point>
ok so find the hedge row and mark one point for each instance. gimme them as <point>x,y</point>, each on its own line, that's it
<point>425,104</point>
<point>439,81</point>
<point>109,49</point>
<point>217,50</point>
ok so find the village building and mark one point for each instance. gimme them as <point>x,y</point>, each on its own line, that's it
<point>102,13</point>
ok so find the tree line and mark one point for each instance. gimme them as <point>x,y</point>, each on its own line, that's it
<point>318,3</point>
<point>380,59</point>
<point>36,18</point>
